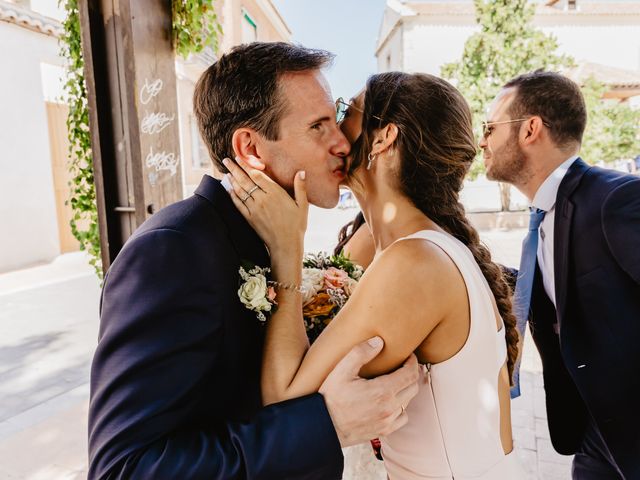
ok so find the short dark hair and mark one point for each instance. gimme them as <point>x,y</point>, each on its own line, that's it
<point>241,90</point>
<point>556,99</point>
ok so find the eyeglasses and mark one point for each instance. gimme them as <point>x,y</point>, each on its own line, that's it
<point>487,126</point>
<point>342,108</point>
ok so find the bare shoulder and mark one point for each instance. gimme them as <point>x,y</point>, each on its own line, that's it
<point>406,292</point>
<point>416,262</point>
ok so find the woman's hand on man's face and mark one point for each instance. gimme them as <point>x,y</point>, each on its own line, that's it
<point>280,220</point>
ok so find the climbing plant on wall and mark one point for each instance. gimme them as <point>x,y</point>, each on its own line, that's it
<point>195,27</point>
<point>84,222</point>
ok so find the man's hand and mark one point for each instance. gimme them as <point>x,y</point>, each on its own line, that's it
<point>365,409</point>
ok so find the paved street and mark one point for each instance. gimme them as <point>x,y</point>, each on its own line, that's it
<point>48,330</point>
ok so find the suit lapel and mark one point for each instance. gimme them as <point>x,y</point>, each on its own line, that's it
<point>245,240</point>
<point>564,209</point>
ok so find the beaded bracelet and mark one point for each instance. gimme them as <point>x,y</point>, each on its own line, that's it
<point>287,286</point>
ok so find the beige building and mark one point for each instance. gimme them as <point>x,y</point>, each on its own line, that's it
<point>34,217</point>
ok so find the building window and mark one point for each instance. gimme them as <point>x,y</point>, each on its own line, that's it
<point>199,152</point>
<point>249,28</point>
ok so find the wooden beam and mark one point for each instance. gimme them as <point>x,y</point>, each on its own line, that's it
<point>133,113</point>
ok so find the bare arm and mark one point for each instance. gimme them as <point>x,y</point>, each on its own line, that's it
<point>384,304</point>
<point>360,409</point>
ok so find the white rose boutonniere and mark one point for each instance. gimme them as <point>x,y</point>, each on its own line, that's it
<point>255,292</point>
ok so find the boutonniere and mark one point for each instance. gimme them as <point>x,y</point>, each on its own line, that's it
<point>255,291</point>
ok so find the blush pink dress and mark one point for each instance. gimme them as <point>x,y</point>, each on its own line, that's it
<point>454,422</point>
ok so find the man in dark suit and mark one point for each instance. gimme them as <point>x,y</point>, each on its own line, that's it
<point>584,277</point>
<point>175,381</point>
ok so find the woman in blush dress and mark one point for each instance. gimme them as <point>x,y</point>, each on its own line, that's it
<point>431,289</point>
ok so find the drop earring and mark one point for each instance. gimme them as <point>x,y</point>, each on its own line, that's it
<point>370,158</point>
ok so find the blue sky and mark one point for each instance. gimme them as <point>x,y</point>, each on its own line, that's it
<point>348,28</point>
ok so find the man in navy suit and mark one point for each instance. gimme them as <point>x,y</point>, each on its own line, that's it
<point>175,381</point>
<point>585,300</point>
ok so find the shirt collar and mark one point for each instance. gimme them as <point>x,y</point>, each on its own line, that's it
<point>226,183</point>
<point>545,198</point>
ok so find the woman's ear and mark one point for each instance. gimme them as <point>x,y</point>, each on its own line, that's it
<point>244,143</point>
<point>385,138</point>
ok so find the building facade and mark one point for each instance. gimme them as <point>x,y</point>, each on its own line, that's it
<point>421,36</point>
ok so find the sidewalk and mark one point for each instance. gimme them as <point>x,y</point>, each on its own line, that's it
<point>49,328</point>
<point>48,331</point>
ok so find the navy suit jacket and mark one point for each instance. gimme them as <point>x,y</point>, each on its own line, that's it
<point>175,381</point>
<point>591,356</point>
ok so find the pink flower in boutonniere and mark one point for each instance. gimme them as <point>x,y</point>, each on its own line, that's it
<point>271,295</point>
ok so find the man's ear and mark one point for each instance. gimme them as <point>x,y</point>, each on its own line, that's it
<point>244,142</point>
<point>531,130</point>
<point>384,138</point>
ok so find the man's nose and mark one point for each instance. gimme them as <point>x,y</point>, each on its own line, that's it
<point>341,146</point>
<point>483,142</point>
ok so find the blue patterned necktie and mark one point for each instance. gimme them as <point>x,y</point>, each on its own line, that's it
<point>524,285</point>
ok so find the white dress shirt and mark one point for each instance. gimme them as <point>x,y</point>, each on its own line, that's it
<point>226,183</point>
<point>545,199</point>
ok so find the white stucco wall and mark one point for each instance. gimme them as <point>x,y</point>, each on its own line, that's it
<point>28,226</point>
<point>430,42</point>
<point>613,45</point>
<point>428,47</point>
<point>391,55</point>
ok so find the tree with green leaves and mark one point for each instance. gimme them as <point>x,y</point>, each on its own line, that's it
<point>613,128</point>
<point>507,45</point>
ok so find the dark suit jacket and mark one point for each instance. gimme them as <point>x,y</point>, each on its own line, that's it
<point>593,365</point>
<point>175,381</point>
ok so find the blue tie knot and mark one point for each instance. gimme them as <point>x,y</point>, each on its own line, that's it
<point>535,218</point>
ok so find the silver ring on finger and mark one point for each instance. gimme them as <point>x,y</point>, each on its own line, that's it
<point>255,187</point>
<point>244,200</point>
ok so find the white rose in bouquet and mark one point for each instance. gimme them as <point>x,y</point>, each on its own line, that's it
<point>312,283</point>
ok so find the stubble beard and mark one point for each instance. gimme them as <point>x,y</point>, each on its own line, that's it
<point>512,166</point>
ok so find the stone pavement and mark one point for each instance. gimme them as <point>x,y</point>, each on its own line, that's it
<point>48,331</point>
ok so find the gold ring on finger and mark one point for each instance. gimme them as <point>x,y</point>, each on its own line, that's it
<point>244,200</point>
<point>403,409</point>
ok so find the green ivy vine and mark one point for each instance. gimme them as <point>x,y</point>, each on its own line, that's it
<point>84,222</point>
<point>195,26</point>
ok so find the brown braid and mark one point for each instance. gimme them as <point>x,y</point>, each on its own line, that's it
<point>458,225</point>
<point>436,145</point>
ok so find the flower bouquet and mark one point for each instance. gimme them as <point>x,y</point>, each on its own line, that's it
<point>327,284</point>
